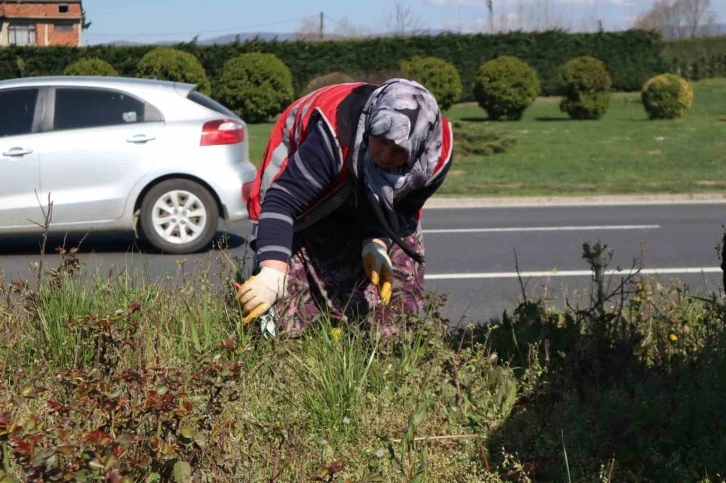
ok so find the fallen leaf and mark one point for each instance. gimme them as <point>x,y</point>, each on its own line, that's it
<point>182,472</point>
<point>200,439</point>
<point>65,449</point>
<point>187,432</point>
<point>33,392</point>
<point>125,439</point>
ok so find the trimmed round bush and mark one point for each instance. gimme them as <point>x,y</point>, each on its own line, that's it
<point>327,80</point>
<point>667,96</point>
<point>165,63</point>
<point>256,86</point>
<point>91,66</point>
<point>586,86</point>
<point>440,77</point>
<point>505,87</point>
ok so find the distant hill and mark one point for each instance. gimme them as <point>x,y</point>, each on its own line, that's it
<point>229,38</point>
<point>124,43</point>
<point>226,39</point>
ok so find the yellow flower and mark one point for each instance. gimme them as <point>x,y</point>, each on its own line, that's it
<point>673,337</point>
<point>336,333</point>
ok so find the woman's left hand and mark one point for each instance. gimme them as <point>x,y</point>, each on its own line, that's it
<point>379,268</point>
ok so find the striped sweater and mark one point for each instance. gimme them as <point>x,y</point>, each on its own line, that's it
<point>313,167</point>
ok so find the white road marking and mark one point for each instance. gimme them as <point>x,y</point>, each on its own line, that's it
<point>569,273</point>
<point>445,203</point>
<point>543,228</point>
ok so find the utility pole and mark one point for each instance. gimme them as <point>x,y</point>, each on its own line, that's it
<point>490,7</point>
<point>322,17</point>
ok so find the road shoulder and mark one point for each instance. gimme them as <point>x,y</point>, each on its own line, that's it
<point>447,202</point>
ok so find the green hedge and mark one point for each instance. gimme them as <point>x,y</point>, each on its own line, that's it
<point>631,57</point>
<point>696,59</point>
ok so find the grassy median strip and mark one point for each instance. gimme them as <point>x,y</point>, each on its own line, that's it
<point>546,153</point>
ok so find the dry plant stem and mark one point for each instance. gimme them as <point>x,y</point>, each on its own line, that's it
<point>47,217</point>
<point>459,397</point>
<point>461,342</point>
<point>522,285</point>
<point>610,473</point>
<point>442,438</point>
<point>483,453</point>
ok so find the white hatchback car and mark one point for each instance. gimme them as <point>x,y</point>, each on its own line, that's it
<point>118,154</point>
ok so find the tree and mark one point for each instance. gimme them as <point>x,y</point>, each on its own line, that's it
<point>345,28</point>
<point>403,20</point>
<point>679,19</point>
<point>531,16</point>
<point>309,29</point>
<point>84,24</point>
<point>589,23</point>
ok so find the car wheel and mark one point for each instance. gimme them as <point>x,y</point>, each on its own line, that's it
<point>179,216</point>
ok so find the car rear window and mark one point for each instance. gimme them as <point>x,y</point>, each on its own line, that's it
<point>79,108</point>
<point>209,103</point>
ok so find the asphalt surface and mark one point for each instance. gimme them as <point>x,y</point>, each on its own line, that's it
<point>667,238</point>
<point>471,251</point>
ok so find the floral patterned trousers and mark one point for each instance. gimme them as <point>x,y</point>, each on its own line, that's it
<point>326,278</point>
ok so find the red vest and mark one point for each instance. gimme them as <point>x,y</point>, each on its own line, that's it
<point>290,131</point>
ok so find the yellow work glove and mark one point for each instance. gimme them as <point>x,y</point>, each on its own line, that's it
<point>379,268</point>
<point>260,292</point>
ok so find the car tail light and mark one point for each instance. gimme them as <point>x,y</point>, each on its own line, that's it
<point>216,133</point>
<point>246,190</point>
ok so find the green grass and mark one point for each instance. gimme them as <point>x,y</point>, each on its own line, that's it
<point>622,153</point>
<point>259,134</point>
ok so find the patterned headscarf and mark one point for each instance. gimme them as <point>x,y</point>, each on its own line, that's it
<point>406,113</point>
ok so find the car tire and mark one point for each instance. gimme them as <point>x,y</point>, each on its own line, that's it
<point>179,216</point>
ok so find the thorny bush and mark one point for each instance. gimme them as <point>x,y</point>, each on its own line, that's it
<point>120,420</point>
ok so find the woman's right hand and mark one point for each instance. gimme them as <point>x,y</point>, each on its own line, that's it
<point>261,291</point>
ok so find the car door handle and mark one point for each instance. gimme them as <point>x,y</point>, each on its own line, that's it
<point>17,152</point>
<point>141,138</point>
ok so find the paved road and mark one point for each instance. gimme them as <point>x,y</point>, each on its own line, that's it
<point>471,252</point>
<point>476,267</point>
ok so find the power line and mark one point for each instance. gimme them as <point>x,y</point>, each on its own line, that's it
<point>158,34</point>
<point>335,21</point>
<point>349,25</point>
<point>322,25</point>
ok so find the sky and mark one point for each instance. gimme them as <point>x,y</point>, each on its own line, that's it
<point>170,20</point>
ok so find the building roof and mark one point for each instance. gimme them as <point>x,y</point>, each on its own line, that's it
<point>28,15</point>
<point>41,1</point>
